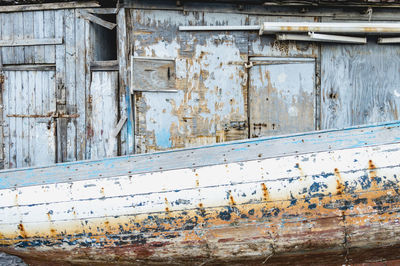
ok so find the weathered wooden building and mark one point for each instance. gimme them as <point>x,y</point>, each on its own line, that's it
<point>82,80</point>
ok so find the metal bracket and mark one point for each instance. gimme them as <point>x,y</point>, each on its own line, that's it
<point>248,65</point>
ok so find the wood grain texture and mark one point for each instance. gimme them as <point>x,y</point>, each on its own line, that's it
<point>103,92</point>
<point>30,140</point>
<point>359,84</point>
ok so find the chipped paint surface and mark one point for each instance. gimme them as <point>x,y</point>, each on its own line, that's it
<point>329,206</point>
<point>210,103</point>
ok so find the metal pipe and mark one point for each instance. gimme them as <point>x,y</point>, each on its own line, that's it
<point>314,37</point>
<point>217,28</point>
<point>389,40</point>
<point>337,38</point>
<point>351,27</point>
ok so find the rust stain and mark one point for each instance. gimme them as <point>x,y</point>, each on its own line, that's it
<point>22,231</point>
<point>372,174</point>
<point>167,206</point>
<point>231,200</point>
<point>265,192</point>
<point>339,183</point>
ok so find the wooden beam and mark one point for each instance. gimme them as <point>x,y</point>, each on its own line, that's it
<point>102,10</point>
<point>30,42</point>
<point>111,65</point>
<point>118,127</point>
<point>48,6</point>
<point>92,18</point>
<point>41,67</point>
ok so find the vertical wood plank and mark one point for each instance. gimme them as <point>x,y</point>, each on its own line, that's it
<point>7,34</point>
<point>49,28</point>
<point>60,79</point>
<point>104,119</point>
<point>80,87</point>
<point>18,23</point>
<point>13,120</point>
<point>88,112</point>
<point>125,104</point>
<point>28,34</point>
<point>70,68</point>
<point>31,121</point>
<point>6,120</point>
<point>25,160</point>
<point>38,109</point>
<point>38,33</point>
<point>19,95</point>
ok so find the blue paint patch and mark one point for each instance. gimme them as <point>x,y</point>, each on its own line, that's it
<point>163,138</point>
<point>317,186</point>
<point>364,181</point>
<point>312,206</point>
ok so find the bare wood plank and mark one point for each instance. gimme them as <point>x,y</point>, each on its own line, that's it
<point>39,67</point>
<point>49,50</point>
<point>103,91</point>
<point>60,83</point>
<point>31,122</point>
<point>89,57</point>
<point>7,34</point>
<point>6,121</point>
<point>25,107</point>
<point>18,23</point>
<point>13,122</point>
<point>49,6</point>
<point>102,10</point>
<point>119,126</point>
<point>92,18</point>
<point>30,42</point>
<point>127,144</point>
<point>111,65</point>
<point>70,82</point>
<point>80,87</point>
<point>38,33</point>
<point>28,34</point>
<point>19,96</point>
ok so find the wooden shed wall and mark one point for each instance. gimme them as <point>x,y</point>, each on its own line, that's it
<point>49,91</point>
<point>290,86</point>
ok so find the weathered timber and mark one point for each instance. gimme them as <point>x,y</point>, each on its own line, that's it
<point>30,42</point>
<point>322,197</point>
<point>48,6</point>
<point>92,18</point>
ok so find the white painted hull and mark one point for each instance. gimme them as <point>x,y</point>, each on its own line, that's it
<point>328,197</point>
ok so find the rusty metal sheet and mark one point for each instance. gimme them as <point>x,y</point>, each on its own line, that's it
<point>324,207</point>
<point>282,95</point>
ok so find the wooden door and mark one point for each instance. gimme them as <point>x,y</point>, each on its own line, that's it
<point>281,96</point>
<point>29,111</point>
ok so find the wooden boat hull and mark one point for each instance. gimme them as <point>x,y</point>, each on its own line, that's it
<point>324,197</point>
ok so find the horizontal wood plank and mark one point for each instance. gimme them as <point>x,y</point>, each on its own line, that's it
<point>30,42</point>
<point>48,6</point>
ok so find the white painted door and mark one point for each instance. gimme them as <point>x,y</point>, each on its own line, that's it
<point>29,104</point>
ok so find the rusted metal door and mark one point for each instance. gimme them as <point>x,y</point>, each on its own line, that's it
<point>29,114</point>
<point>281,95</point>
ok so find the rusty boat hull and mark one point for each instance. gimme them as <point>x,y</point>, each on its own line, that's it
<point>322,197</point>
